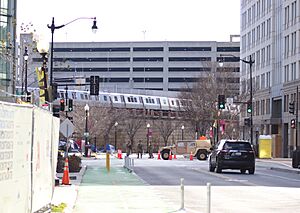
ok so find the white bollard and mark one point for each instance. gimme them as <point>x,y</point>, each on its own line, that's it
<point>208,197</point>
<point>182,193</point>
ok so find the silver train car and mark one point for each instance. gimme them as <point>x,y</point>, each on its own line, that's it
<point>123,100</point>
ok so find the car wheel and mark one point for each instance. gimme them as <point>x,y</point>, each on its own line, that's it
<point>210,166</point>
<point>251,171</point>
<point>243,171</point>
<point>165,154</point>
<point>218,168</point>
<point>201,155</point>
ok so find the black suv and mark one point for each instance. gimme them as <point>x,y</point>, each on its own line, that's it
<point>232,154</point>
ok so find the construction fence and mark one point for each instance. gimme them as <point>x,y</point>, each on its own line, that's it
<point>28,156</point>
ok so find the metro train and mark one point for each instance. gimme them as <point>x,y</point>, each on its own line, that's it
<point>122,100</point>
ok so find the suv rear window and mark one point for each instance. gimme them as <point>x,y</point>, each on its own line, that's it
<point>237,146</point>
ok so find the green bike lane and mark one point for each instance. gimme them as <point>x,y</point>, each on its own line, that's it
<point>117,191</point>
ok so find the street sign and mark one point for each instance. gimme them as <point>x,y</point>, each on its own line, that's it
<point>67,128</point>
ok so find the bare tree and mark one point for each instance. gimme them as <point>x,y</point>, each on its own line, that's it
<point>165,128</point>
<point>200,102</point>
<point>132,125</point>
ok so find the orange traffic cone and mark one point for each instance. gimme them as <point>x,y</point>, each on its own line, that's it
<point>191,156</point>
<point>158,155</point>
<point>66,178</point>
<point>119,154</point>
<point>170,155</point>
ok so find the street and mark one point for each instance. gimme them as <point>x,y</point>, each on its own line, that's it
<point>154,186</point>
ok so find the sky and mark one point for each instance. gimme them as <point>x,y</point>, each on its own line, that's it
<point>131,20</point>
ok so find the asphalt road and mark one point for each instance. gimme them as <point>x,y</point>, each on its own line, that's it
<point>196,173</point>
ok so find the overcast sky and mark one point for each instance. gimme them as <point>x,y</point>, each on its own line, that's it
<point>133,20</point>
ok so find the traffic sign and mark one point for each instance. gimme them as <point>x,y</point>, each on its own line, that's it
<point>67,128</point>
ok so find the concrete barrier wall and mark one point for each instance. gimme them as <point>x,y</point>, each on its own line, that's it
<point>28,138</point>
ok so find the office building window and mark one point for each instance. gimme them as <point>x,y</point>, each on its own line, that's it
<point>268,107</point>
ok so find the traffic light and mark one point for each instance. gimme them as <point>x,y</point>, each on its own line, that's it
<point>55,110</point>
<point>249,107</point>
<point>247,122</point>
<point>70,105</point>
<point>54,91</point>
<point>62,104</point>
<point>221,101</point>
<point>94,85</point>
<point>293,123</point>
<point>28,97</point>
<point>292,107</point>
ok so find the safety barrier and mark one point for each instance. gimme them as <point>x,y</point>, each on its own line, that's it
<point>128,163</point>
<point>29,156</point>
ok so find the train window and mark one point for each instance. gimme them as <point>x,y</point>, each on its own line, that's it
<point>147,100</point>
<point>135,100</point>
<point>177,103</point>
<point>122,98</point>
<point>128,99</point>
<point>74,95</point>
<point>116,98</point>
<point>152,100</point>
<point>86,96</point>
<point>81,96</point>
<point>141,99</point>
<point>105,98</point>
<point>164,101</point>
<point>172,102</point>
<point>157,100</point>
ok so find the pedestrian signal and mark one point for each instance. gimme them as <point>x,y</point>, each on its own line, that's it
<point>293,123</point>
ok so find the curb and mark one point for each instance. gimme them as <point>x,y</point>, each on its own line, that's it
<point>285,170</point>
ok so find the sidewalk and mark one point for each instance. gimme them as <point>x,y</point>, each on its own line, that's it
<point>280,164</point>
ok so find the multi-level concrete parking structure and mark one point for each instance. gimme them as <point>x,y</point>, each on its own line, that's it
<point>161,66</point>
<point>270,33</point>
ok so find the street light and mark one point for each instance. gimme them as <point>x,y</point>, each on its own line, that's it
<point>250,62</point>
<point>86,133</point>
<point>43,48</point>
<point>182,128</point>
<point>148,132</point>
<point>53,28</point>
<point>25,56</point>
<point>116,124</point>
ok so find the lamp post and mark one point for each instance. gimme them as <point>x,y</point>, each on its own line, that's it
<point>148,132</point>
<point>86,133</point>
<point>116,124</point>
<point>182,128</point>
<point>43,48</point>
<point>53,28</point>
<point>250,62</point>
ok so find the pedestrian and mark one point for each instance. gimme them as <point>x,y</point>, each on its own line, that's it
<point>150,151</point>
<point>128,151</point>
<point>140,149</point>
